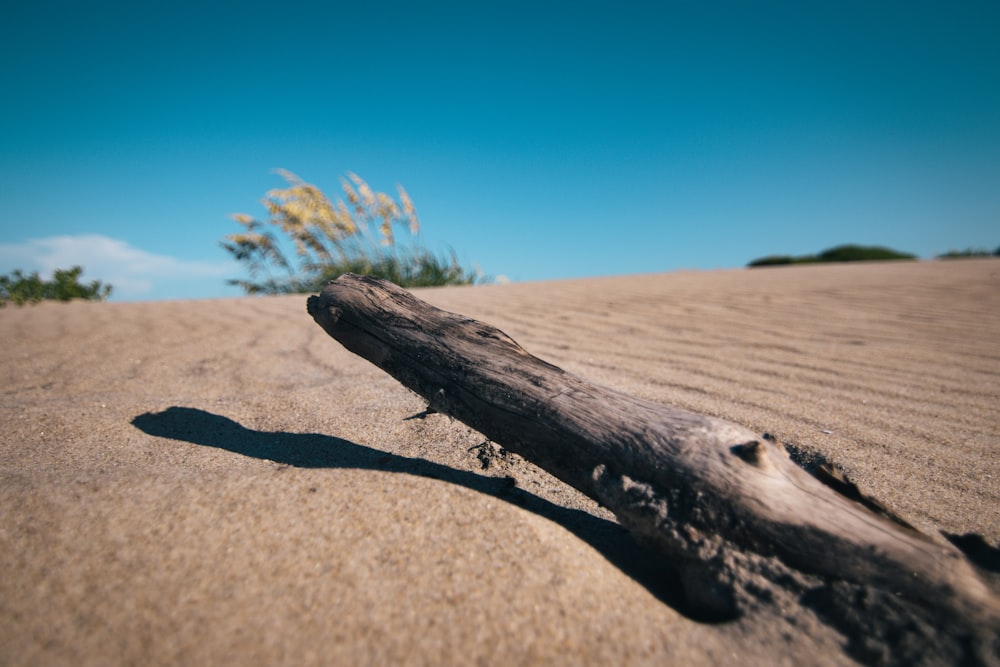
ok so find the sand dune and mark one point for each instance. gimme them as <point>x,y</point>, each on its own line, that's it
<point>219,482</point>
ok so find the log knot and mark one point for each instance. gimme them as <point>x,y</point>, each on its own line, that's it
<point>754,453</point>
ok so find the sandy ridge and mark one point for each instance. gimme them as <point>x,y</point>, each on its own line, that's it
<point>216,482</point>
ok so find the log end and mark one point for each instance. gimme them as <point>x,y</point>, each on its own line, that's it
<point>323,311</point>
<point>312,305</point>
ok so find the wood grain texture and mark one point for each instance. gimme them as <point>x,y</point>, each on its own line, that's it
<point>744,524</point>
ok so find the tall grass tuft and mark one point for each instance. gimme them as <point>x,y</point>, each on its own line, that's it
<point>355,234</point>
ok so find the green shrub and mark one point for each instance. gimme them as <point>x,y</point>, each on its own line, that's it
<point>773,260</point>
<point>332,238</point>
<point>859,253</point>
<point>20,289</point>
<point>841,253</point>
<point>969,252</point>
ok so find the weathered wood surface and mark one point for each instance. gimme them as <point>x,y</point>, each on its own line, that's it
<point>739,519</point>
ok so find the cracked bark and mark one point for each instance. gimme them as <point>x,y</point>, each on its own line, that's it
<point>744,524</point>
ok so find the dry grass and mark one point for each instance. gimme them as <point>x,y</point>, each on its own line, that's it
<point>354,234</point>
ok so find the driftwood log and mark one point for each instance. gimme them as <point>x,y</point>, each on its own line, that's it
<point>743,524</point>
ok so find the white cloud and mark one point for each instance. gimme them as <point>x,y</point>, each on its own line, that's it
<point>134,273</point>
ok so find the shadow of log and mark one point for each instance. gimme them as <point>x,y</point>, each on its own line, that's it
<point>312,450</point>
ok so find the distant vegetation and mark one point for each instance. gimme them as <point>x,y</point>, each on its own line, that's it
<point>65,285</point>
<point>969,252</point>
<point>331,238</point>
<point>841,253</point>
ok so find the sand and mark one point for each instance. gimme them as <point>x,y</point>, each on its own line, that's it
<point>218,482</point>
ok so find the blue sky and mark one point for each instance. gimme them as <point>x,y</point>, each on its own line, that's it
<point>539,140</point>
